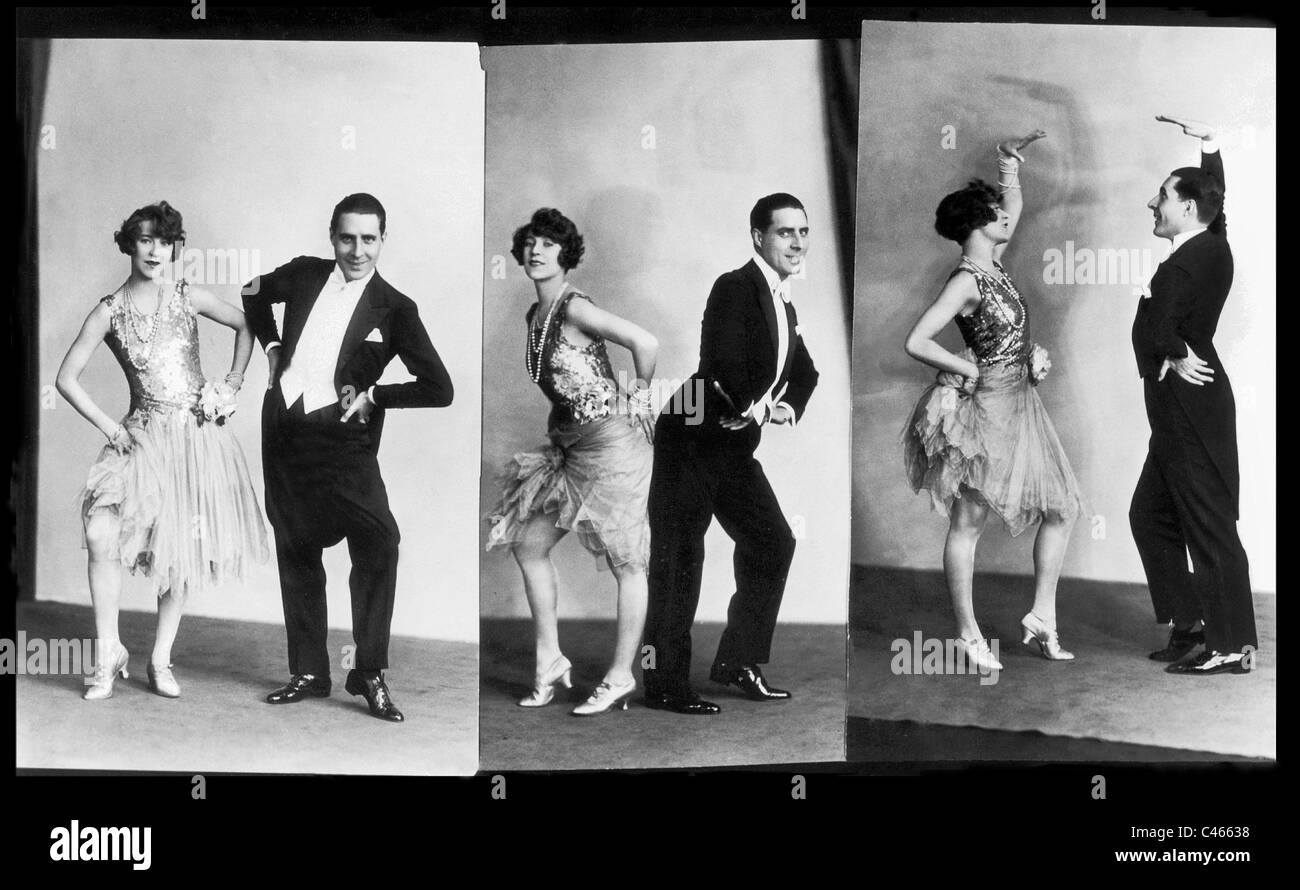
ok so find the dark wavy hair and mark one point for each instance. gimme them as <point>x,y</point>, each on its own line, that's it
<point>548,222</point>
<point>1194,184</point>
<point>359,203</point>
<point>761,216</point>
<point>966,210</point>
<point>165,221</point>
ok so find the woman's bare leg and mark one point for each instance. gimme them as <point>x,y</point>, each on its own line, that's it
<point>533,553</point>
<point>169,621</point>
<point>1049,553</point>
<point>965,525</point>
<point>104,571</point>
<point>633,594</point>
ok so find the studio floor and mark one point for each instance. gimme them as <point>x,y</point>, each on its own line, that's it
<point>1110,703</point>
<point>221,723</point>
<point>808,660</point>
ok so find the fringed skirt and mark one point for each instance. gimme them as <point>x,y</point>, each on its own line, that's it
<point>997,445</point>
<point>593,480</point>
<point>187,513</point>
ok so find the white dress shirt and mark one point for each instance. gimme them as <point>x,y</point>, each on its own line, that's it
<point>311,373</point>
<point>761,410</point>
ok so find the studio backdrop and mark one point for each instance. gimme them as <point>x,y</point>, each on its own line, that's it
<point>935,100</point>
<point>658,153</point>
<point>255,143</point>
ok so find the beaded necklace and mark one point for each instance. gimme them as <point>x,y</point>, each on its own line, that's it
<point>133,317</point>
<point>1001,278</point>
<point>537,338</point>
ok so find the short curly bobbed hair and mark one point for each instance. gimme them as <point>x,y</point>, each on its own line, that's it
<point>548,222</point>
<point>165,223</point>
<point>966,210</point>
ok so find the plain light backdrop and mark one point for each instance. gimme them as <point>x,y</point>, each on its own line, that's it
<point>1096,91</point>
<point>658,153</point>
<point>255,142</point>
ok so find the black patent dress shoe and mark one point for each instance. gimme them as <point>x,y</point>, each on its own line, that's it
<point>376,693</point>
<point>1208,664</point>
<point>749,679</point>
<point>300,686</point>
<point>690,703</point>
<point>1180,643</point>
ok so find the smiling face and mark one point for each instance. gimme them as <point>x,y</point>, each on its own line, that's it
<point>541,257</point>
<point>1173,215</point>
<point>357,243</point>
<point>149,255</point>
<point>785,241</point>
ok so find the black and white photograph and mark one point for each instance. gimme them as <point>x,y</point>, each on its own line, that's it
<point>665,407</point>
<point>437,421</point>
<point>1064,538</point>
<point>254,259</point>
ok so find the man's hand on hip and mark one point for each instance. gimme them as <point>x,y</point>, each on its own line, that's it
<point>362,406</point>
<point>1191,368</point>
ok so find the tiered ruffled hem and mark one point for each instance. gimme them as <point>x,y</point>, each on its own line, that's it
<point>188,514</point>
<point>998,445</point>
<point>594,479</point>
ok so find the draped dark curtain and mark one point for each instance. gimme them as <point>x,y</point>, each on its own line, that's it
<point>839,61</point>
<point>33,57</point>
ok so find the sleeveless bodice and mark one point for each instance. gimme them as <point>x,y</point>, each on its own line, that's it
<point>158,354</point>
<point>578,380</point>
<point>998,330</point>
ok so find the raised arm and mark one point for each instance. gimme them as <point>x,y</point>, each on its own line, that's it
<point>68,380</point>
<point>1012,201</point>
<point>1211,160</point>
<point>960,294</point>
<point>1212,163</point>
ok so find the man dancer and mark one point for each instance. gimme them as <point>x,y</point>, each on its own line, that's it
<point>751,355</point>
<point>1186,500</point>
<point>321,423</point>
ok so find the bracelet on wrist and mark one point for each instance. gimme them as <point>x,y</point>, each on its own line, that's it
<point>1008,172</point>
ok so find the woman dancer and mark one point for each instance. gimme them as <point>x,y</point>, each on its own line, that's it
<point>170,495</point>
<point>979,439</point>
<point>594,477</point>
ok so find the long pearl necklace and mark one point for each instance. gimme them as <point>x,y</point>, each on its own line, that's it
<point>1008,316</point>
<point>537,339</point>
<point>132,316</point>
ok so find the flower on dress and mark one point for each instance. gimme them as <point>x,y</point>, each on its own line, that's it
<point>589,397</point>
<point>1039,364</point>
<point>217,401</point>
